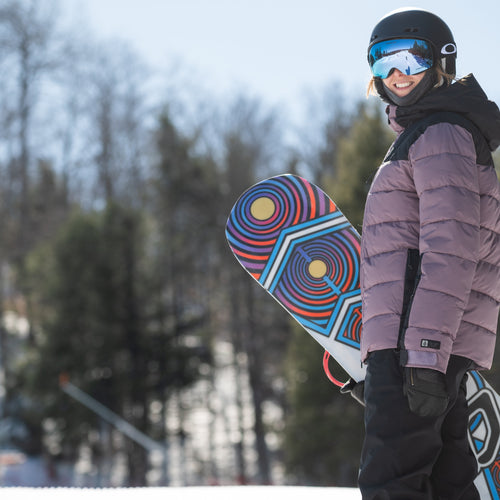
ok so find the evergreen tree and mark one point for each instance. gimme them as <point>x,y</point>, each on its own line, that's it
<point>99,326</point>
<point>324,430</point>
<point>360,152</point>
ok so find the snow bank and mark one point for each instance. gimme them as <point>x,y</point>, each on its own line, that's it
<point>191,493</point>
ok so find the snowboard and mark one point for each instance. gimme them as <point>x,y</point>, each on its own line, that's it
<point>295,242</point>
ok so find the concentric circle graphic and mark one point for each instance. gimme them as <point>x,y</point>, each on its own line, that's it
<point>294,241</point>
<point>267,209</point>
<point>334,260</point>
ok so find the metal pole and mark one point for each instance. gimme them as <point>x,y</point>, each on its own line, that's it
<point>108,415</point>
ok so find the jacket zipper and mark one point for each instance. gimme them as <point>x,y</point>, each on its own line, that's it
<point>412,279</point>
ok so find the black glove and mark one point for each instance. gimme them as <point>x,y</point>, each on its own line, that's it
<point>355,389</point>
<point>426,391</point>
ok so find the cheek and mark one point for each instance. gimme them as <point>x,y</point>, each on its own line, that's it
<point>419,79</point>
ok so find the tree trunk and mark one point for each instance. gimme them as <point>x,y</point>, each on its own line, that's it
<point>257,386</point>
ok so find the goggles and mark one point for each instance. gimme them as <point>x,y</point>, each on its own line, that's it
<point>409,55</point>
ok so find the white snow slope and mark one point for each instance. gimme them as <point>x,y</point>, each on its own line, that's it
<point>188,493</point>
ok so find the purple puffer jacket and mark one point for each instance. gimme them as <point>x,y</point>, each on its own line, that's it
<point>430,252</point>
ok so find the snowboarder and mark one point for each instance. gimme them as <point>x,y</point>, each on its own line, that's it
<point>430,262</point>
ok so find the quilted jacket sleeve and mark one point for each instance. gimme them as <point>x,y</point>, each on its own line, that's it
<point>446,180</point>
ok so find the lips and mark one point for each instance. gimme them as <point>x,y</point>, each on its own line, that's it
<point>403,85</point>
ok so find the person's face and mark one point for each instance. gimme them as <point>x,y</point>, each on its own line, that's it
<point>402,84</point>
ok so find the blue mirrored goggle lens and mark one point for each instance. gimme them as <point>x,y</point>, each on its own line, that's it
<point>410,56</point>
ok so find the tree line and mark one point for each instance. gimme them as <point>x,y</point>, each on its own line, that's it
<point>115,273</point>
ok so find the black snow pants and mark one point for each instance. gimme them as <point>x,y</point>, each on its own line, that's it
<point>407,457</point>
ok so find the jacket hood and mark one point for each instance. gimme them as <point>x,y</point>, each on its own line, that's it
<point>465,97</point>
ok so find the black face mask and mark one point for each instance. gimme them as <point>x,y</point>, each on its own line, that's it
<point>426,84</point>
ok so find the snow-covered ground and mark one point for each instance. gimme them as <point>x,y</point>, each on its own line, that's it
<point>188,493</point>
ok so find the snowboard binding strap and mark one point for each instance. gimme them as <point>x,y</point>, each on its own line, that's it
<point>331,378</point>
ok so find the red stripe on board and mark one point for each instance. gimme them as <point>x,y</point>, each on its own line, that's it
<point>297,206</point>
<point>332,206</point>
<point>312,198</point>
<point>251,256</point>
<point>308,314</point>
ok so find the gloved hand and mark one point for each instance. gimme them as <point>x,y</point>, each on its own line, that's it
<point>426,391</point>
<point>355,389</point>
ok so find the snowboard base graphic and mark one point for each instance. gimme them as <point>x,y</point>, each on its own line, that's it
<point>293,240</point>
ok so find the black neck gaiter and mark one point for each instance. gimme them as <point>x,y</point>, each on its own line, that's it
<point>427,82</point>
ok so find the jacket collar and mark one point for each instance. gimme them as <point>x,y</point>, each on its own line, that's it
<point>465,97</point>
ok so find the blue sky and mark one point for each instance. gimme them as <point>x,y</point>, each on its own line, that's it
<point>277,49</point>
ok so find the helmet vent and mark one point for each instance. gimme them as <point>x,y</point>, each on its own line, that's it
<point>411,30</point>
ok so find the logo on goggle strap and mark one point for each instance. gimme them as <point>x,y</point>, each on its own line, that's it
<point>449,48</point>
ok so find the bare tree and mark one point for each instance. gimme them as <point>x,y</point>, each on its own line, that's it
<point>326,120</point>
<point>27,39</point>
<point>117,118</point>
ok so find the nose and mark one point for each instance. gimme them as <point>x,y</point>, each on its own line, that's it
<point>398,73</point>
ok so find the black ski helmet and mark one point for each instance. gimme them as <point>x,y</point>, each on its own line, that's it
<point>421,24</point>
